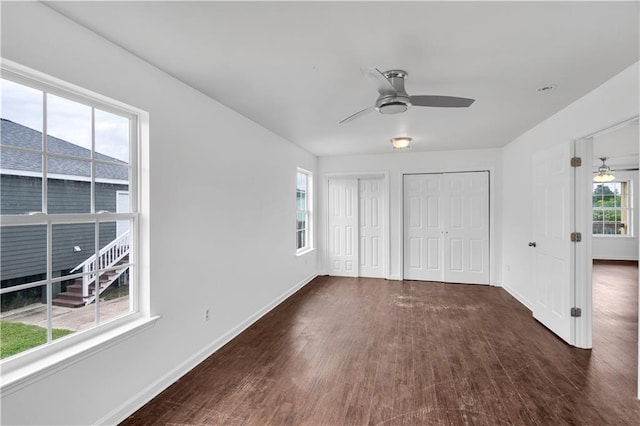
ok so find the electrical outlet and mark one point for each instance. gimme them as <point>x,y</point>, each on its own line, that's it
<point>206,314</point>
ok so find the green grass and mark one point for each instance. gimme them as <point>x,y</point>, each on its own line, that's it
<point>16,337</point>
<point>115,292</point>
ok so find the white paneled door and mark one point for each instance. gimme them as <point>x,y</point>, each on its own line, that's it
<point>551,246</point>
<point>356,227</point>
<point>423,227</point>
<point>446,227</point>
<point>371,231</point>
<point>343,227</point>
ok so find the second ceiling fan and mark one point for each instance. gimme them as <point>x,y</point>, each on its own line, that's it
<point>393,98</point>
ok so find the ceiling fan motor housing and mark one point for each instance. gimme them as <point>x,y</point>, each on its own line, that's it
<point>399,102</point>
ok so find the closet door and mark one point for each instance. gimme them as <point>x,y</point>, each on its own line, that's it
<point>446,227</point>
<point>343,227</point>
<point>466,227</point>
<point>371,199</point>
<point>423,228</point>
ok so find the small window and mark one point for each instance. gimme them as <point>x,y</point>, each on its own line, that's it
<point>612,208</point>
<point>303,211</point>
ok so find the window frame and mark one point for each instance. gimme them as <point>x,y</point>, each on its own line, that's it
<point>308,213</point>
<point>22,367</point>
<point>625,191</point>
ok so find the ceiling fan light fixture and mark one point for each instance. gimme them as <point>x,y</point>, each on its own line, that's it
<point>393,108</point>
<point>604,173</point>
<point>401,142</point>
<point>393,98</point>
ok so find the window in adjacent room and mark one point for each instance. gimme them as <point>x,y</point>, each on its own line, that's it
<point>303,211</point>
<point>69,209</point>
<point>612,208</point>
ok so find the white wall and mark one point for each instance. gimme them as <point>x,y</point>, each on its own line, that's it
<point>396,164</point>
<point>621,248</point>
<point>222,220</point>
<point>614,101</point>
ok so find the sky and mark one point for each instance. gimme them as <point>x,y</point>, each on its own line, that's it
<point>66,119</point>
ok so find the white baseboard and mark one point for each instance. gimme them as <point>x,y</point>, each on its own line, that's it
<point>123,411</point>
<point>518,297</point>
<point>395,277</point>
<point>628,258</point>
<point>496,284</point>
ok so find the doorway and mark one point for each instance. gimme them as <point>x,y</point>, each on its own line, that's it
<point>446,227</point>
<point>606,264</point>
<point>358,228</point>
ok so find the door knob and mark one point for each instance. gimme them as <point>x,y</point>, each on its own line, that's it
<point>532,243</point>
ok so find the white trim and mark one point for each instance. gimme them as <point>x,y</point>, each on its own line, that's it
<point>135,402</point>
<point>35,365</point>
<point>622,258</point>
<point>309,194</point>
<point>609,128</point>
<point>305,250</point>
<point>520,298</point>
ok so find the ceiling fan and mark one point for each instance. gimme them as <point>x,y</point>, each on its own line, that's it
<point>394,99</point>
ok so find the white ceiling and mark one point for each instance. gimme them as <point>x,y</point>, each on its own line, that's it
<point>619,146</point>
<point>294,67</point>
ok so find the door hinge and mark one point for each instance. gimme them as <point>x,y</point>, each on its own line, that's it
<point>576,161</point>
<point>576,312</point>
<point>576,237</point>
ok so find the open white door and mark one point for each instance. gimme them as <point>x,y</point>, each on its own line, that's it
<point>551,246</point>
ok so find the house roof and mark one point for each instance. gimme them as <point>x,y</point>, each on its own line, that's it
<point>17,135</point>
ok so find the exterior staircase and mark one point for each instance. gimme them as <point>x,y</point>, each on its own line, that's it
<point>72,297</point>
<point>83,289</point>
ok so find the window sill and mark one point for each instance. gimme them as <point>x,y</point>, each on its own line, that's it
<point>305,251</point>
<point>614,236</point>
<point>35,365</point>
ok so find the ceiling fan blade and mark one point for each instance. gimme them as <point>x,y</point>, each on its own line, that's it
<point>441,101</point>
<point>384,86</point>
<point>357,114</point>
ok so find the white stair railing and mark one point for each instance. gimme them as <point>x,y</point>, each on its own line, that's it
<point>108,256</point>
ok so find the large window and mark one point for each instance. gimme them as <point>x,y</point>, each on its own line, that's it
<point>68,245</point>
<point>303,211</point>
<point>612,208</point>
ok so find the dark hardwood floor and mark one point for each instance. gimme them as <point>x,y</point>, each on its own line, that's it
<point>370,351</point>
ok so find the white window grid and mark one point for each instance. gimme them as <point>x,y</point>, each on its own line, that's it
<point>48,86</point>
<point>304,233</point>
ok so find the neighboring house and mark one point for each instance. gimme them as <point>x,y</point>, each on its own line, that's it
<point>68,191</point>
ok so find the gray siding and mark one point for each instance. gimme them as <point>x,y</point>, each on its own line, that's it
<point>20,194</point>
<point>23,248</point>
